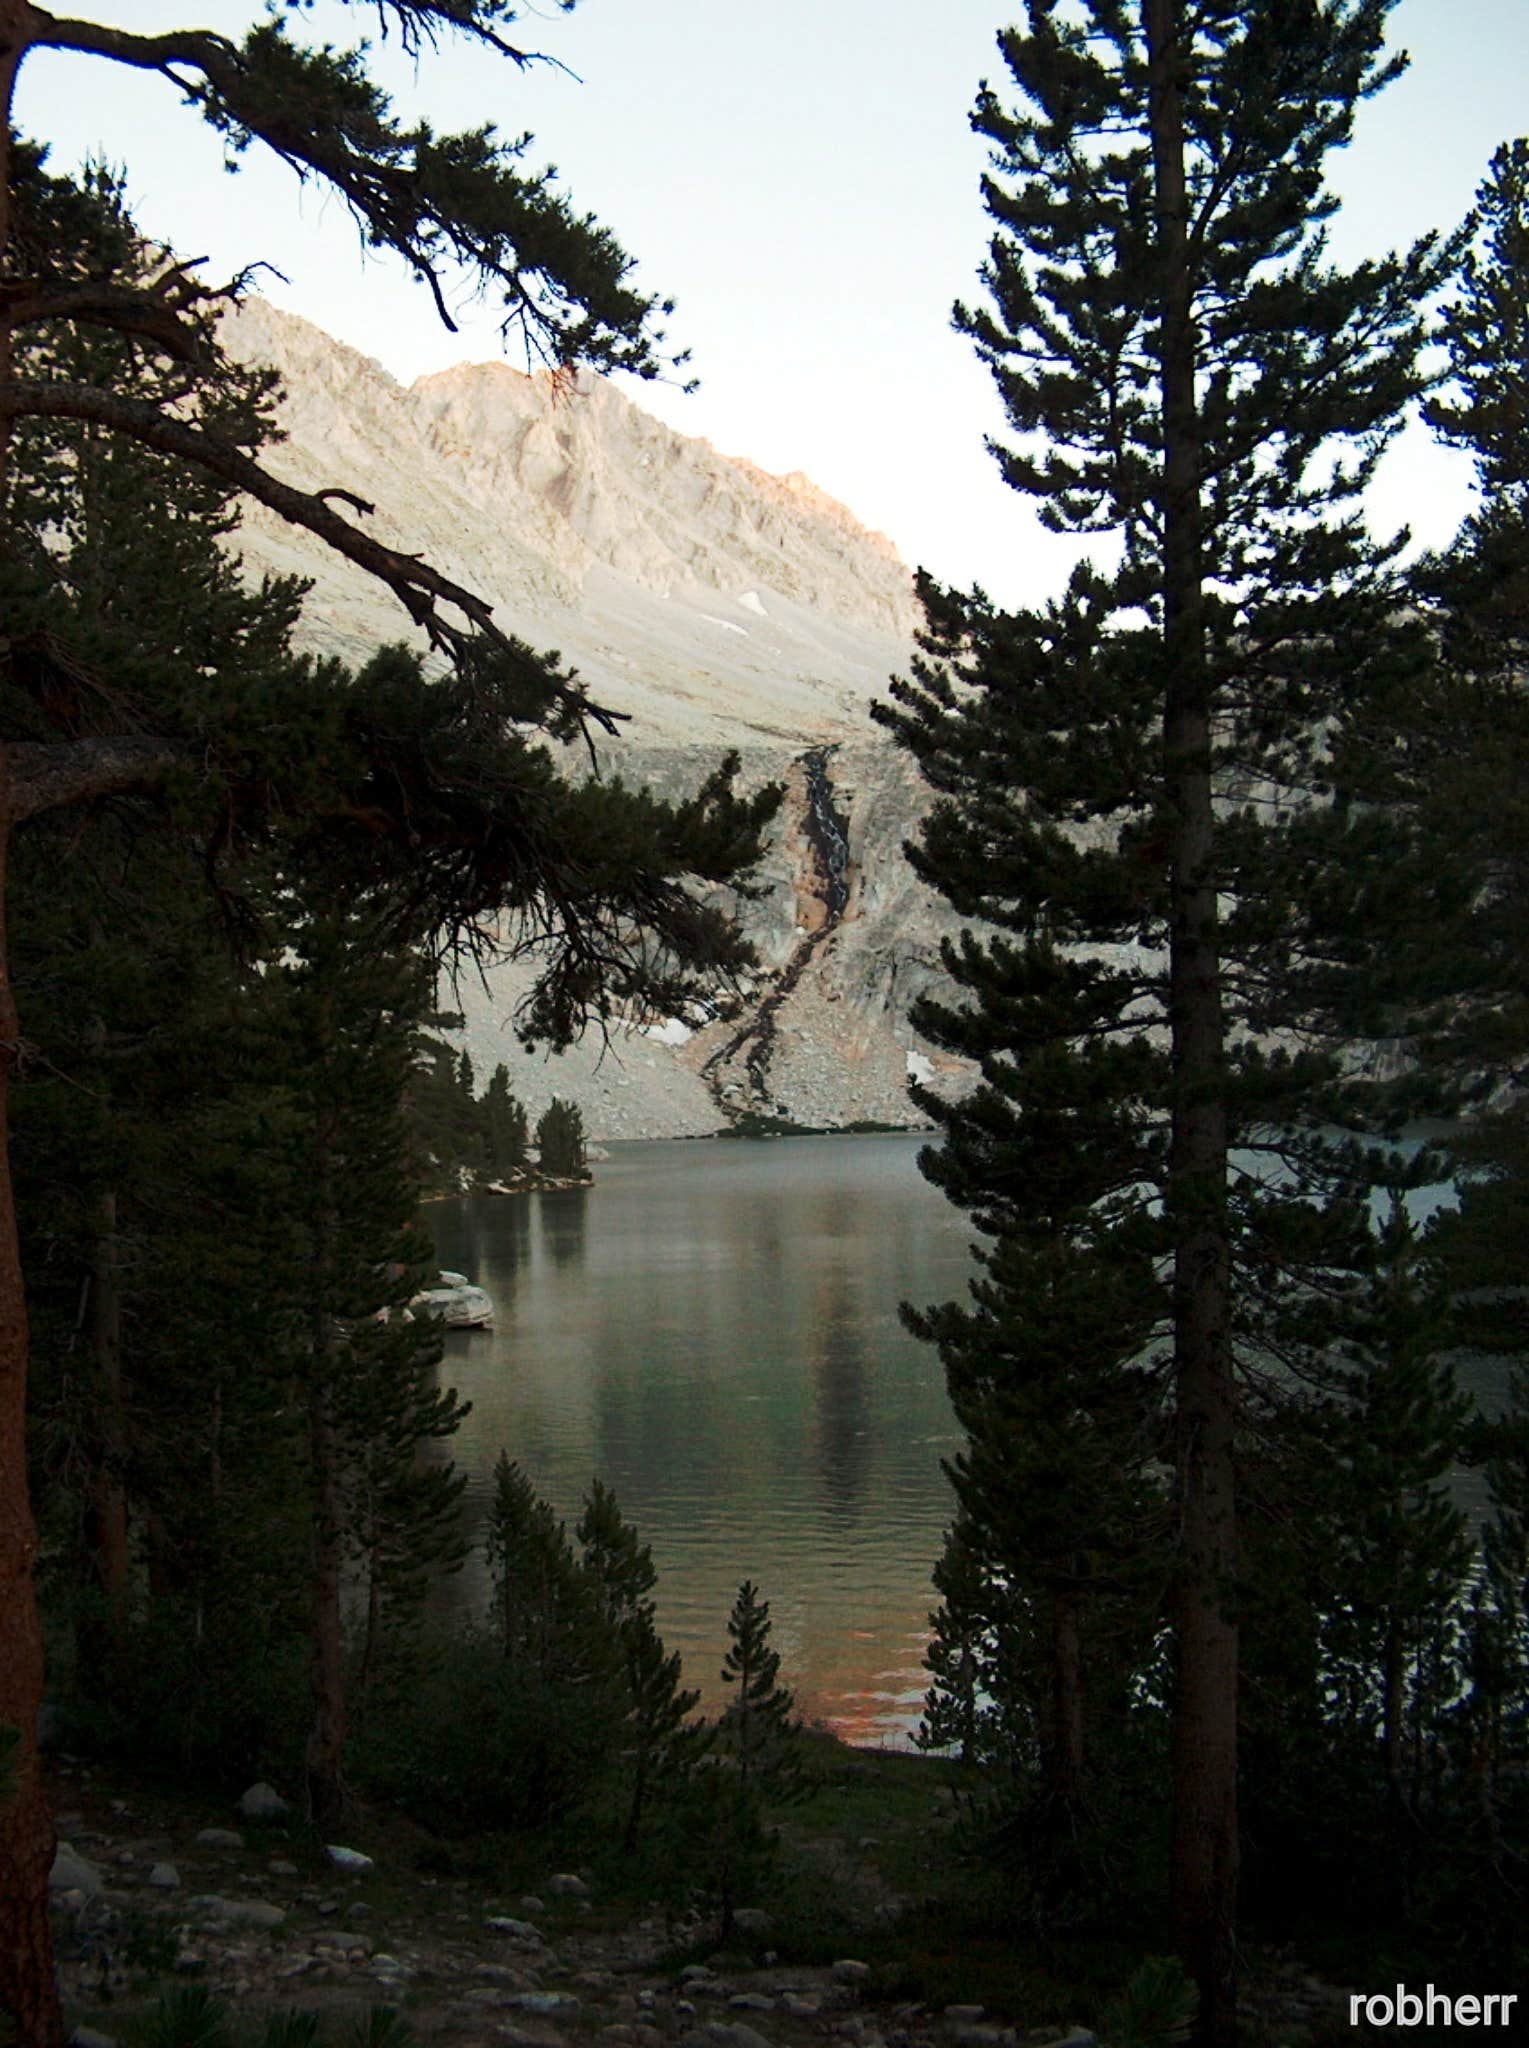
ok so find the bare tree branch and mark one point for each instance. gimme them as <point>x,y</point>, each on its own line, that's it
<point>420,589</point>
<point>149,316</point>
<point>44,776</point>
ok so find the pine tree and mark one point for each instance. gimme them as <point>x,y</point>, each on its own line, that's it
<point>968,1651</point>
<point>1132,785</point>
<point>560,1140</point>
<point>442,820</point>
<point>506,1130</point>
<point>1056,1495</point>
<point>342,1011</point>
<point>1468,741</point>
<point>545,1612</point>
<point>662,1745</point>
<point>1450,763</point>
<point>758,1730</point>
<point>111,921</point>
<point>1402,1552</point>
<point>1496,1708</point>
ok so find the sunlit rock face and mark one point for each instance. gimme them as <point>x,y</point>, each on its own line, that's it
<point>718,608</point>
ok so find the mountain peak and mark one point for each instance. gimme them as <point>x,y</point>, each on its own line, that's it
<point>693,589</point>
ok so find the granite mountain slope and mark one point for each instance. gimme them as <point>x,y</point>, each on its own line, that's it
<point>717,607</point>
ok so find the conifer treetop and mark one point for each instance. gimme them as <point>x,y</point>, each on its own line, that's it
<point>1296,355</point>
<point>1486,328</point>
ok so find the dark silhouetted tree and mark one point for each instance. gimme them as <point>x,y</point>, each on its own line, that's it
<point>560,1139</point>
<point>459,809</point>
<point>661,1743</point>
<point>1131,781</point>
<point>506,1131</point>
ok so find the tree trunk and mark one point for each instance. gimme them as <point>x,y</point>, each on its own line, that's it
<point>1393,1724</point>
<point>106,1521</point>
<point>639,1800</point>
<point>1062,1763</point>
<point>28,1989</point>
<point>1400,1828</point>
<point>1205,1844</point>
<point>326,1737</point>
<point>371,1641</point>
<point>28,1993</point>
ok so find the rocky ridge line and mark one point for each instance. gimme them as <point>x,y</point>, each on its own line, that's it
<point>719,608</point>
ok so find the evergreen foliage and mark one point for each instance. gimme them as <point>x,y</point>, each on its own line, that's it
<point>140,678</point>
<point>719,1811</point>
<point>758,1731</point>
<point>506,1130</point>
<point>546,1611</point>
<point>560,1139</point>
<point>446,1124</point>
<point>1135,795</point>
<point>662,1744</point>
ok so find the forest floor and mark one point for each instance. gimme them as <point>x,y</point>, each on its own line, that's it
<point>857,1940</point>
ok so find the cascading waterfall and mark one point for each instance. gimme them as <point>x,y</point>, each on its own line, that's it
<point>825,830</point>
<point>827,836</point>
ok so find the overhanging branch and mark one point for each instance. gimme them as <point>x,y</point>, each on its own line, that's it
<point>421,590</point>
<point>42,777</point>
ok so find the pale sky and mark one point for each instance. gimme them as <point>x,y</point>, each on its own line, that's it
<point>801,178</point>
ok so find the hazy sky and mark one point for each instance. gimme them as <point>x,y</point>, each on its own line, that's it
<point>802,180</point>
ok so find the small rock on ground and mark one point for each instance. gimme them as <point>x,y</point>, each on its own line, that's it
<point>518,1930</point>
<point>347,1859</point>
<point>71,1872</point>
<point>238,1912</point>
<point>263,1802</point>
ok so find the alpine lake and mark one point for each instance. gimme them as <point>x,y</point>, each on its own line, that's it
<point>712,1328</point>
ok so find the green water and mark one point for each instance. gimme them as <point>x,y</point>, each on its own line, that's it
<point>713,1329</point>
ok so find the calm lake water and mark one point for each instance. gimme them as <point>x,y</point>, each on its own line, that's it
<point>712,1328</point>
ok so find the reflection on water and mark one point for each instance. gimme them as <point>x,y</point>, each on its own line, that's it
<point>713,1329</point>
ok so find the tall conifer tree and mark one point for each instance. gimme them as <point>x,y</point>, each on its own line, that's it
<point>656,1707</point>
<point>560,1139</point>
<point>1124,775</point>
<point>465,810</point>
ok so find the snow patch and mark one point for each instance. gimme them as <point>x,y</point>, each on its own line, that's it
<point>670,1032</point>
<point>726,624</point>
<point>753,602</point>
<point>919,1069</point>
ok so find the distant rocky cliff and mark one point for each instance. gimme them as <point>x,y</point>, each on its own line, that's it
<point>718,607</point>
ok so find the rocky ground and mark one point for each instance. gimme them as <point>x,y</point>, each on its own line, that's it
<point>153,1890</point>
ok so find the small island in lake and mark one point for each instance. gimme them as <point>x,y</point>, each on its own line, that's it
<point>468,1143</point>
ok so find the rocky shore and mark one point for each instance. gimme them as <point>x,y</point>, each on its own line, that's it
<point>154,1891</point>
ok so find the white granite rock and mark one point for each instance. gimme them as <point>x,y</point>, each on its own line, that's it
<point>71,1872</point>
